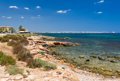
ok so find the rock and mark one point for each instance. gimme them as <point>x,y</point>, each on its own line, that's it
<point>57,43</point>
<point>113,61</point>
<point>77,44</point>
<point>81,56</point>
<point>93,56</point>
<point>29,38</point>
<point>18,77</point>
<point>67,44</point>
<point>26,73</point>
<point>33,52</point>
<point>4,79</point>
<point>59,73</point>
<point>87,60</point>
<point>7,75</point>
<point>45,45</point>
<point>38,41</point>
<point>31,77</point>
<point>101,58</point>
<point>63,67</point>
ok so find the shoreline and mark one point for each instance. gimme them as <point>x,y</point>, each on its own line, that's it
<point>38,47</point>
<point>97,70</point>
<point>71,65</point>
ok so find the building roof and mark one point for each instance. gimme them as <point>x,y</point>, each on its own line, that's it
<point>6,27</point>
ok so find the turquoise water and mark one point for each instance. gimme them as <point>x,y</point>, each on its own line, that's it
<point>95,50</point>
<point>100,44</point>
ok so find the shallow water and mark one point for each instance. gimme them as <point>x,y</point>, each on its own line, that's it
<point>95,50</point>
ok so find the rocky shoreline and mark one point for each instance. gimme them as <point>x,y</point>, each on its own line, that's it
<point>39,48</point>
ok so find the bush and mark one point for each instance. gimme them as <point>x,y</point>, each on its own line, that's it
<point>13,70</point>
<point>18,38</point>
<point>23,41</point>
<point>33,64</point>
<point>17,47</point>
<point>3,39</point>
<point>49,66</point>
<point>6,60</point>
<point>24,55</point>
<point>38,63</point>
<point>18,42</point>
<point>42,52</point>
<point>12,43</point>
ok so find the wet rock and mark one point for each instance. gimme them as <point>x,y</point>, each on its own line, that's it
<point>81,57</point>
<point>66,44</point>
<point>45,45</point>
<point>101,58</point>
<point>93,56</point>
<point>113,61</point>
<point>87,60</point>
<point>57,43</point>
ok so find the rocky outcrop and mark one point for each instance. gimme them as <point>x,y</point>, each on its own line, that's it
<point>66,43</point>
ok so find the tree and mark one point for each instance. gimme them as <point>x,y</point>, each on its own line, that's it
<point>21,28</point>
<point>12,30</point>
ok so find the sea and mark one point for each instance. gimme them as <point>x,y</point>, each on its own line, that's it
<point>96,50</point>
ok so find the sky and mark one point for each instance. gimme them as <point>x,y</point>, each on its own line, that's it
<point>61,15</point>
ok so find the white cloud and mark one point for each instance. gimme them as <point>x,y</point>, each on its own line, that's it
<point>14,7</point>
<point>99,12</point>
<point>3,16</point>
<point>26,8</point>
<point>63,11</point>
<point>22,17</point>
<point>35,17</point>
<point>101,1</point>
<point>38,15</point>
<point>9,17</point>
<point>38,7</point>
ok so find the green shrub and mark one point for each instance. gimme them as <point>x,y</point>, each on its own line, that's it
<point>38,63</point>
<point>23,41</point>
<point>6,60</point>
<point>17,47</point>
<point>24,55</point>
<point>17,42</point>
<point>0,39</point>
<point>13,70</point>
<point>42,52</point>
<point>12,43</point>
<point>49,66</point>
<point>18,38</point>
<point>4,39</point>
<point>34,64</point>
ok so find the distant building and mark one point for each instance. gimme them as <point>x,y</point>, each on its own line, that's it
<point>23,30</point>
<point>7,29</point>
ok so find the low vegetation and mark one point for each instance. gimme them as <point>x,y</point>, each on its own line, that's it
<point>42,52</point>
<point>18,43</point>
<point>6,60</point>
<point>24,55</point>
<point>41,64</point>
<point>13,70</point>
